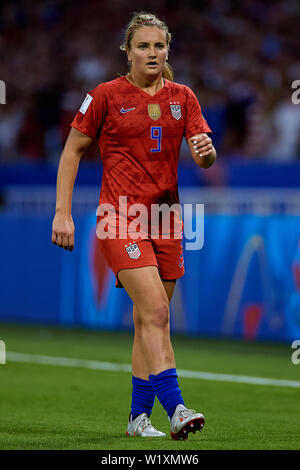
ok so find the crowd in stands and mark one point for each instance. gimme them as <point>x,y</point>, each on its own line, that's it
<point>240,59</point>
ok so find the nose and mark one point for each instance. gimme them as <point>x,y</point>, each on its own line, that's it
<point>152,51</point>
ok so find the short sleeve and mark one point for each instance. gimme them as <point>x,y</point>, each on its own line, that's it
<point>195,122</point>
<point>90,117</point>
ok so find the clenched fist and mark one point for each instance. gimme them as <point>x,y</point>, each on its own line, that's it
<point>63,230</point>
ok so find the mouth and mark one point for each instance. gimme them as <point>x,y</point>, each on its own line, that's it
<point>152,64</point>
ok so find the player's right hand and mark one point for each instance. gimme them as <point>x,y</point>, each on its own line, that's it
<point>63,230</point>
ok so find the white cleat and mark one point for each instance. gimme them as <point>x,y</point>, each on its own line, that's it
<point>141,426</point>
<point>184,421</point>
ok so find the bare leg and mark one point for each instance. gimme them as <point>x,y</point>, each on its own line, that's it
<point>148,294</point>
<point>140,367</point>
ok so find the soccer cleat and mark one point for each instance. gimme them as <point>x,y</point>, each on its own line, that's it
<point>141,426</point>
<point>184,421</point>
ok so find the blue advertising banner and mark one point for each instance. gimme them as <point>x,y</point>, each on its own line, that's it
<point>244,282</point>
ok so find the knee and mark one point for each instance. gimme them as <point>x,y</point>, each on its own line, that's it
<point>158,315</point>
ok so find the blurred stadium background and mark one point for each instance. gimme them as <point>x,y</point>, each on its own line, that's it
<point>241,59</point>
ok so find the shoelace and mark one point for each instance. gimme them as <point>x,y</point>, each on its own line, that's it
<point>185,413</point>
<point>145,422</point>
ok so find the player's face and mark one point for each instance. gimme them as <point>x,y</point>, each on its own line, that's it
<point>149,51</point>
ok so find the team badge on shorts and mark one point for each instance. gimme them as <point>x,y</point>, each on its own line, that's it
<point>133,250</point>
<point>154,111</point>
<point>175,110</point>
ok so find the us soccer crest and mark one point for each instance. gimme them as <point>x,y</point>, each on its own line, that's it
<point>154,111</point>
<point>175,110</point>
<point>133,250</point>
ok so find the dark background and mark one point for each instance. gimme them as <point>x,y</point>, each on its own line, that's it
<point>240,58</point>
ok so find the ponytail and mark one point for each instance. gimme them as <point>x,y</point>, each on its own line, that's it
<point>168,72</point>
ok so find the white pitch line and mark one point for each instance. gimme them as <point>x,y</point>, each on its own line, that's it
<point>66,362</point>
<point>111,366</point>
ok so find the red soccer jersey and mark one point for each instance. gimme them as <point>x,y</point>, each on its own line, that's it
<point>140,136</point>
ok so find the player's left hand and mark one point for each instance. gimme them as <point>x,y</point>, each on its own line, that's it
<point>201,144</point>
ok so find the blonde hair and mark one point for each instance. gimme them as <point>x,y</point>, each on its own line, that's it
<point>147,19</point>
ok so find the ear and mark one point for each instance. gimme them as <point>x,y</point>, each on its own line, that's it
<point>128,55</point>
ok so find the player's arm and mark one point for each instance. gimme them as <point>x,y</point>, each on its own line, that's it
<point>63,227</point>
<point>202,150</point>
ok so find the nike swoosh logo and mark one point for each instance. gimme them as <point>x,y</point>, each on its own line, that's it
<point>123,111</point>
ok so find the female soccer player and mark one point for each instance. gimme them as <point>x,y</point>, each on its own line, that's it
<point>139,121</point>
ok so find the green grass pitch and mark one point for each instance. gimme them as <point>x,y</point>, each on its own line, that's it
<point>57,408</point>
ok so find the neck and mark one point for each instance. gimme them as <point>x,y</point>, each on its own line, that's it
<point>149,84</point>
